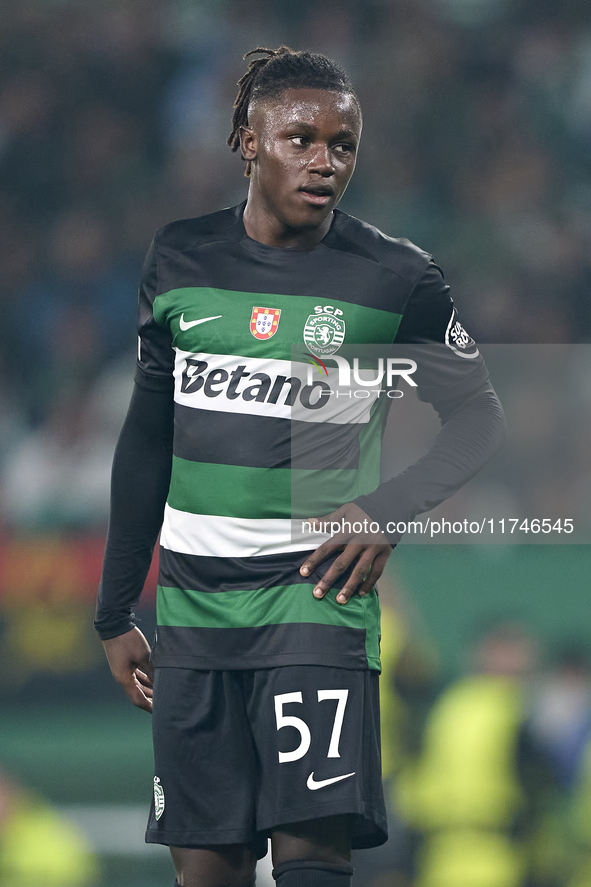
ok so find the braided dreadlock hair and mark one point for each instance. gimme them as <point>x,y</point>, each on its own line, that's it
<point>280,69</point>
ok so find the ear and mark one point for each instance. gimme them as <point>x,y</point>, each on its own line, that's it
<point>248,143</point>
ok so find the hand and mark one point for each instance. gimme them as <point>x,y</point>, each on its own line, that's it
<point>128,656</point>
<point>371,550</point>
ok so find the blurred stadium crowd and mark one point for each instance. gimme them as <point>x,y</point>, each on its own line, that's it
<point>113,121</point>
<point>488,778</point>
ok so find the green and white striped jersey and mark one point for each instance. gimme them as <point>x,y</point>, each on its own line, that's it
<point>220,315</point>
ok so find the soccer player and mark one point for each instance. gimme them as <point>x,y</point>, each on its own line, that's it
<point>263,676</point>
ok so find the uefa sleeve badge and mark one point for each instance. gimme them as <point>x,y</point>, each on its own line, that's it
<point>460,342</point>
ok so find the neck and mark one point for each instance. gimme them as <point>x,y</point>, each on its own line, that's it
<point>266,228</point>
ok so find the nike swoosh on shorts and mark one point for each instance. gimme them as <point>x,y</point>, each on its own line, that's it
<point>187,324</point>
<point>313,785</point>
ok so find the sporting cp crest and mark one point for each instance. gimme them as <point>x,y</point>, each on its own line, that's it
<point>324,334</point>
<point>158,798</point>
<point>264,322</point>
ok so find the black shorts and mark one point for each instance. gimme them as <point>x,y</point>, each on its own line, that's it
<point>239,753</point>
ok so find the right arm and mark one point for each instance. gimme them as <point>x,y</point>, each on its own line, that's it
<point>139,486</point>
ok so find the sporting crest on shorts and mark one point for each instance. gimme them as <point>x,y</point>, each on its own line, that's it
<point>158,798</point>
<point>264,322</point>
<point>324,334</point>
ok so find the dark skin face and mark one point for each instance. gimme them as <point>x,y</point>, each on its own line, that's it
<point>302,147</point>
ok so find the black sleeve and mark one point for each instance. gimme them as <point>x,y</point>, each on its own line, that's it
<point>155,358</point>
<point>449,364</point>
<point>141,469</point>
<point>452,376</point>
<point>139,487</point>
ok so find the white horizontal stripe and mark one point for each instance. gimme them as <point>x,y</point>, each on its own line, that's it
<point>346,405</point>
<point>214,536</point>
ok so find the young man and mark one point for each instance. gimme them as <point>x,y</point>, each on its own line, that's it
<point>266,659</point>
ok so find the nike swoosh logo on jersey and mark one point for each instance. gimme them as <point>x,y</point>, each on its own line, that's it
<point>187,324</point>
<point>313,785</point>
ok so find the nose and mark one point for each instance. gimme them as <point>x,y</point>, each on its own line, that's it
<point>321,161</point>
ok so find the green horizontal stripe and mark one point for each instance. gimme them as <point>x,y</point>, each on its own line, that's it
<point>370,443</point>
<point>372,630</point>
<point>230,334</point>
<point>267,606</point>
<point>237,491</point>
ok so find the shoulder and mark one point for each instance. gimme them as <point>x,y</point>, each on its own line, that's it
<point>199,231</point>
<point>398,254</point>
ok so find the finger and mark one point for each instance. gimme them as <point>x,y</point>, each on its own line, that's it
<point>317,524</point>
<point>144,679</point>
<point>145,665</point>
<point>358,576</point>
<point>315,521</point>
<point>143,695</point>
<point>143,690</point>
<point>322,552</point>
<point>369,582</point>
<point>142,700</point>
<point>336,569</point>
<point>377,568</point>
<point>320,522</point>
<point>143,703</point>
<point>149,670</point>
<point>136,694</point>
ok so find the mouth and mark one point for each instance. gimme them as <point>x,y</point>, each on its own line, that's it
<point>317,194</point>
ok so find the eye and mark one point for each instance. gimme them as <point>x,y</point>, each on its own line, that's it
<point>345,148</point>
<point>300,141</point>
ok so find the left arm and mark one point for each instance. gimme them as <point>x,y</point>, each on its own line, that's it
<point>452,376</point>
<point>472,433</point>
